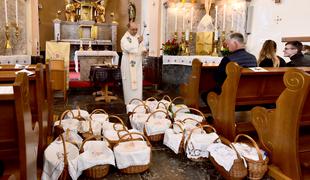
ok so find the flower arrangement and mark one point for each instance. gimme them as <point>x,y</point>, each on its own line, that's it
<point>171,47</point>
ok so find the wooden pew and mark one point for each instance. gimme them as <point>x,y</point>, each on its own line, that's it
<point>244,87</point>
<point>190,91</point>
<point>278,129</point>
<point>17,140</point>
<point>39,104</point>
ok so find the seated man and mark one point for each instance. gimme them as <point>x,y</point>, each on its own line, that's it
<point>236,45</point>
<point>293,51</point>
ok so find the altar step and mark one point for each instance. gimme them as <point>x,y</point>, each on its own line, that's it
<point>72,66</point>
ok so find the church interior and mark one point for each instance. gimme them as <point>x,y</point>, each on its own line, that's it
<point>154,89</point>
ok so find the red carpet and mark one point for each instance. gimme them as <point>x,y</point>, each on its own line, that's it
<point>80,84</point>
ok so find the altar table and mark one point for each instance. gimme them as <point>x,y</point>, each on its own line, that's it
<point>187,60</point>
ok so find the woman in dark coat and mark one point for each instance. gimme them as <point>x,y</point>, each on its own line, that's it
<point>267,56</point>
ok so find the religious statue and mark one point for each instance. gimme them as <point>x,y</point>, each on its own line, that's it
<point>206,23</point>
<point>70,12</point>
<point>132,12</point>
<point>100,9</point>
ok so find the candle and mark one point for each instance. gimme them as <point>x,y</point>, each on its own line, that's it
<point>187,35</point>
<point>232,19</point>
<point>81,43</point>
<point>215,23</point>
<point>192,16</point>
<point>176,20</point>
<point>89,44</point>
<point>16,7</point>
<point>6,12</point>
<point>224,17</point>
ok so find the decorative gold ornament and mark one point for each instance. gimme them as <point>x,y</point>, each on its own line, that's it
<point>7,36</point>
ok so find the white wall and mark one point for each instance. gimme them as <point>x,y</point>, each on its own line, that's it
<point>294,15</point>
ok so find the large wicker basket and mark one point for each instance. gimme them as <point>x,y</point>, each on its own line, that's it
<point>137,168</point>
<point>113,142</point>
<point>98,171</point>
<point>157,137</point>
<point>191,109</point>
<point>237,171</point>
<point>256,168</point>
<point>200,159</point>
<point>58,129</point>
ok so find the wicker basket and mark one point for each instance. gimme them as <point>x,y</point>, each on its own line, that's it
<point>237,171</point>
<point>113,142</point>
<point>58,129</point>
<point>157,137</point>
<point>181,147</point>
<point>200,159</point>
<point>98,171</point>
<point>256,168</point>
<point>138,168</point>
<point>97,111</point>
<point>191,109</point>
<point>65,172</point>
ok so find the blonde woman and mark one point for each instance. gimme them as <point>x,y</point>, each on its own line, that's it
<point>267,56</point>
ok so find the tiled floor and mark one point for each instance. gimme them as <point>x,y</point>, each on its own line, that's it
<point>165,164</point>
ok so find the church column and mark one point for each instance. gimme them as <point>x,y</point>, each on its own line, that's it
<point>32,19</point>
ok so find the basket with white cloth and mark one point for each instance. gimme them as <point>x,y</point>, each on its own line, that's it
<point>96,157</point>
<point>197,142</point>
<point>132,153</point>
<point>188,112</point>
<point>174,137</point>
<point>138,119</point>
<point>156,125</point>
<point>227,160</point>
<point>78,114</point>
<point>132,104</point>
<point>110,130</point>
<point>99,115</point>
<point>62,124</point>
<point>256,160</point>
<point>56,160</point>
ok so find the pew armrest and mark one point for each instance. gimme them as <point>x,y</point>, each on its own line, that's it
<point>261,118</point>
<point>213,100</point>
<point>183,90</point>
<point>276,173</point>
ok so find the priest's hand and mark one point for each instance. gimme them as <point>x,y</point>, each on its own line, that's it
<point>140,39</point>
<point>145,53</point>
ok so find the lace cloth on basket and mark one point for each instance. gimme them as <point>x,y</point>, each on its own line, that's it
<point>173,140</point>
<point>248,151</point>
<point>69,123</point>
<point>132,153</point>
<point>157,126</point>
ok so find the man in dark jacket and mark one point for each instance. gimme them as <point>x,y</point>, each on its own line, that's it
<point>293,51</point>
<point>236,45</point>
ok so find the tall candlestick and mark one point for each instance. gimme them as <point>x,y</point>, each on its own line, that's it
<point>224,17</point>
<point>215,23</point>
<point>6,12</point>
<point>186,35</point>
<point>16,7</point>
<point>176,20</point>
<point>192,14</point>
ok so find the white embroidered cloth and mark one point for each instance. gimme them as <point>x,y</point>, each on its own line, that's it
<point>131,107</point>
<point>198,143</point>
<point>137,121</point>
<point>83,113</point>
<point>53,160</point>
<point>71,124</point>
<point>184,108</point>
<point>132,153</point>
<point>187,60</point>
<point>101,118</point>
<point>95,153</point>
<point>96,127</point>
<point>173,140</point>
<point>223,155</point>
<point>15,59</point>
<point>95,53</point>
<point>157,126</point>
<point>73,137</point>
<point>181,116</point>
<point>248,152</point>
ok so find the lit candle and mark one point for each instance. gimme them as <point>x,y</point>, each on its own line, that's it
<point>232,19</point>
<point>6,12</point>
<point>89,44</point>
<point>16,7</point>
<point>81,44</point>
<point>224,17</point>
<point>176,20</point>
<point>186,35</point>
<point>215,23</point>
<point>192,16</point>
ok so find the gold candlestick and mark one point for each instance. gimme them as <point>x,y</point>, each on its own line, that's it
<point>175,35</point>
<point>7,36</point>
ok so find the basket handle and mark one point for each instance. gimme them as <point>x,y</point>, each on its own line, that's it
<point>260,156</point>
<point>227,142</point>
<point>97,111</point>
<point>151,99</point>
<point>116,117</point>
<point>64,114</point>
<point>167,97</point>
<point>208,126</point>
<point>154,113</point>
<point>147,109</point>
<point>201,114</point>
<point>163,104</point>
<point>135,99</point>
<point>90,138</point>
<point>122,138</point>
<point>65,151</point>
<point>179,123</point>
<point>119,131</point>
<point>174,99</point>
<point>186,119</point>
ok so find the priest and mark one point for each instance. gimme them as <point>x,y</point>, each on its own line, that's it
<point>131,65</point>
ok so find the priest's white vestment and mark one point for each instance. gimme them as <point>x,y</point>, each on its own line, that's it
<point>131,67</point>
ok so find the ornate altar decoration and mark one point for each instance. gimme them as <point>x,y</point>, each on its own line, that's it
<point>132,12</point>
<point>85,24</point>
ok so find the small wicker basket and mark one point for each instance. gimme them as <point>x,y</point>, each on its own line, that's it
<point>98,171</point>
<point>138,168</point>
<point>256,168</point>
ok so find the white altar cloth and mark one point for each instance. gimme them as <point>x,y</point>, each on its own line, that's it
<point>15,59</point>
<point>95,53</point>
<point>187,60</point>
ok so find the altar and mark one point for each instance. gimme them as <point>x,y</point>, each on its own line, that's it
<point>88,58</point>
<point>187,60</point>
